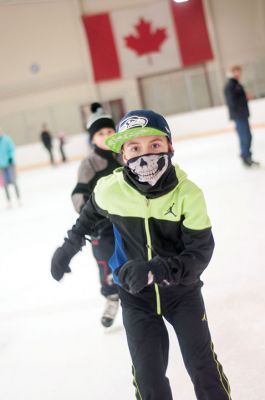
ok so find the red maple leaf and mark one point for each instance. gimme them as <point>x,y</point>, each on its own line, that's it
<point>145,40</point>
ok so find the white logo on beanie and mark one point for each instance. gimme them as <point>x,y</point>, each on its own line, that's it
<point>133,122</point>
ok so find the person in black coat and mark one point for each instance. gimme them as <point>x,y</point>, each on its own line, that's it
<point>237,102</point>
<point>46,139</point>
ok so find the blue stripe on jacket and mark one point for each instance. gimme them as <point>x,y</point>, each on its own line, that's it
<point>119,257</point>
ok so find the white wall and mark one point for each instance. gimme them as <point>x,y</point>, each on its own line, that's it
<point>239,26</point>
<point>50,34</point>
<point>210,121</point>
<point>42,33</point>
<point>35,155</point>
<point>100,6</point>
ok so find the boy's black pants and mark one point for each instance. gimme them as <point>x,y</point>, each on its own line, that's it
<point>148,342</point>
<point>103,249</point>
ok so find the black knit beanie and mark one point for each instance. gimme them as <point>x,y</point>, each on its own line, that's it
<point>98,120</point>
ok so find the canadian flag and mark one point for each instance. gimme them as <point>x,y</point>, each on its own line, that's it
<point>139,41</point>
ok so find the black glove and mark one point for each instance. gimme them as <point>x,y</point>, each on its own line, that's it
<point>133,275</point>
<point>63,255</point>
<point>60,263</point>
<point>161,269</point>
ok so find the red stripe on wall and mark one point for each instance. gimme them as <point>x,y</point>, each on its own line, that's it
<point>192,33</point>
<point>102,47</point>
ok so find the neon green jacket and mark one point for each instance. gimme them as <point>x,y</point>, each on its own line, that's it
<point>174,225</point>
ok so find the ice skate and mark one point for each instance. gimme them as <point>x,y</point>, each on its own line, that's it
<point>255,163</point>
<point>247,162</point>
<point>111,309</point>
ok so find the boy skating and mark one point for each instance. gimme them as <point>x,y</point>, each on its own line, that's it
<point>163,242</point>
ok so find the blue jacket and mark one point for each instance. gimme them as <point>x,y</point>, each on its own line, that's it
<point>7,151</point>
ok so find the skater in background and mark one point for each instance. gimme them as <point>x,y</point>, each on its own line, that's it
<point>7,165</point>
<point>61,138</point>
<point>100,162</point>
<point>46,139</point>
<point>163,243</point>
<point>237,102</point>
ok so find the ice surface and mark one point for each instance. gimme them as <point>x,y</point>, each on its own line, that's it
<point>52,345</point>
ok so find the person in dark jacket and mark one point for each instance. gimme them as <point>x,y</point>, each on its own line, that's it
<point>101,161</point>
<point>163,243</point>
<point>237,103</point>
<point>46,139</point>
<point>62,141</point>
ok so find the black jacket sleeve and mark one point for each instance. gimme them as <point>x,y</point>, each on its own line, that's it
<point>230,96</point>
<point>197,240</point>
<point>189,265</point>
<point>90,223</point>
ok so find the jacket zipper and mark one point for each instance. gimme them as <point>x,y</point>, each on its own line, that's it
<point>149,253</point>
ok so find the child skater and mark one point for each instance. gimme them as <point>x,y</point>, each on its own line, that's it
<point>100,162</point>
<point>163,242</point>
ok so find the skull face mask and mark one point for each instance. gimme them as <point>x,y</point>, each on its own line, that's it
<point>149,167</point>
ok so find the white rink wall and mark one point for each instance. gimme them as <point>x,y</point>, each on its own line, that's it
<point>183,126</point>
<point>35,155</point>
<point>213,120</point>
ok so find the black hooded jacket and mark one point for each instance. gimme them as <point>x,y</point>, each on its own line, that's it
<point>236,100</point>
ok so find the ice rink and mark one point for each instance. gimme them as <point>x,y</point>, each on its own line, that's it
<point>52,346</point>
